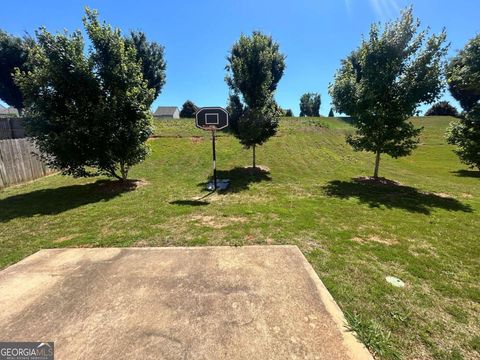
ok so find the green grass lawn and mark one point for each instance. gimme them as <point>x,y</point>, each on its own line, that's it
<point>424,230</point>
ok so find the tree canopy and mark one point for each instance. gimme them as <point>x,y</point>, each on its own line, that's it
<point>188,109</point>
<point>13,55</point>
<point>463,77</point>
<point>255,66</point>
<point>383,81</point>
<point>235,109</point>
<point>255,55</point>
<point>101,124</point>
<point>310,104</point>
<point>151,56</point>
<point>442,108</point>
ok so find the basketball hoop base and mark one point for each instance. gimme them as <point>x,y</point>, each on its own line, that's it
<point>222,184</point>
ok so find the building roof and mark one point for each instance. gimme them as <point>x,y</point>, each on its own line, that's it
<point>8,111</point>
<point>165,110</point>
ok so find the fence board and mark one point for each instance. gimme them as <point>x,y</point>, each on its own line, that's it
<point>18,162</point>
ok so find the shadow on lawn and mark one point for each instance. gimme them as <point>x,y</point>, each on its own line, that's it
<point>57,200</point>
<point>240,178</point>
<point>467,173</point>
<point>189,202</point>
<point>392,195</point>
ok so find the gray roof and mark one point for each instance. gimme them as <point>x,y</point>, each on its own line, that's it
<point>165,110</point>
<point>8,111</point>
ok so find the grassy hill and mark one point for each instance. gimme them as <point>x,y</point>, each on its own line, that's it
<point>424,229</point>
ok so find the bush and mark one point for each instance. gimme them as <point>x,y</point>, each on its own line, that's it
<point>188,110</point>
<point>442,108</point>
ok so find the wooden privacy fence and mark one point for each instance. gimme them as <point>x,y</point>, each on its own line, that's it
<point>19,162</point>
<point>11,128</point>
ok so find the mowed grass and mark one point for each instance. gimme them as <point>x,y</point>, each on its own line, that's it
<point>424,230</point>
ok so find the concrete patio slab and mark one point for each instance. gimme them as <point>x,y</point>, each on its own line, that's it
<point>258,302</point>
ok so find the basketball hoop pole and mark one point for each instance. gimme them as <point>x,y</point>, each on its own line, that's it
<point>212,119</point>
<point>214,161</point>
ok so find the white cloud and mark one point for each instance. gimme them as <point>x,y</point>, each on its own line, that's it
<point>348,5</point>
<point>385,9</point>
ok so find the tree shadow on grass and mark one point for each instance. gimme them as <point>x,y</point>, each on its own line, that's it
<point>57,200</point>
<point>390,194</point>
<point>189,202</point>
<point>467,173</point>
<point>240,178</point>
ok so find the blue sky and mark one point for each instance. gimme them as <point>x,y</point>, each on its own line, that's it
<point>314,34</point>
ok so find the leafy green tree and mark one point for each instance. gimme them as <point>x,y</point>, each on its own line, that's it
<point>101,124</point>
<point>383,81</point>
<point>442,108</point>
<point>255,66</point>
<point>257,125</point>
<point>465,135</point>
<point>13,55</point>
<point>188,110</point>
<point>289,113</point>
<point>463,77</point>
<point>151,56</point>
<point>235,111</point>
<point>330,113</point>
<point>310,104</point>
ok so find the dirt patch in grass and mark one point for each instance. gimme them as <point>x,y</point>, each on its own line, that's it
<point>422,248</point>
<point>197,139</point>
<point>62,239</point>
<point>376,239</point>
<point>217,222</point>
<point>296,191</point>
<point>240,198</point>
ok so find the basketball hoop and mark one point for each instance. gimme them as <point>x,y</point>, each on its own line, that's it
<point>212,119</point>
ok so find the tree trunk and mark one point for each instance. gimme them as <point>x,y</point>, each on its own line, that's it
<point>254,156</point>
<point>114,174</point>
<point>124,171</point>
<point>377,164</point>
